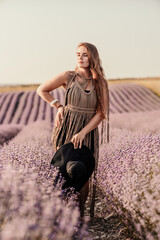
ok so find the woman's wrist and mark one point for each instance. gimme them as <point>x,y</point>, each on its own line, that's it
<point>56,103</point>
<point>59,106</point>
<point>83,131</point>
<point>53,103</point>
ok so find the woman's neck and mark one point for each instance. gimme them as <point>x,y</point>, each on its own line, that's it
<point>85,72</point>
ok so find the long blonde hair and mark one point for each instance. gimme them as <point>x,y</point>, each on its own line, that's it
<point>99,77</point>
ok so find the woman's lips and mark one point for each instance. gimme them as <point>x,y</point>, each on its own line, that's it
<point>80,62</point>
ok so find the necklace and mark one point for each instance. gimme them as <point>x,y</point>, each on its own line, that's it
<point>86,81</point>
<point>84,77</point>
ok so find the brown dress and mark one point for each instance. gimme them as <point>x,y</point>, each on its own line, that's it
<point>80,107</point>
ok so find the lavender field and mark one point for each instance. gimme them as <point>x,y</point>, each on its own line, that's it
<point>128,172</point>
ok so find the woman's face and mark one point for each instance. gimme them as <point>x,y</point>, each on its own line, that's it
<point>82,57</point>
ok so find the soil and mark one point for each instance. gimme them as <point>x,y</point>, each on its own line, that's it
<point>108,226</point>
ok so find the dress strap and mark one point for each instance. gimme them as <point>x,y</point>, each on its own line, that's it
<point>71,78</point>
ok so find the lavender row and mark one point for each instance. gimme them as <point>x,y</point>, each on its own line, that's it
<point>20,108</point>
<point>27,195</point>
<point>5,106</point>
<point>9,131</point>
<point>129,176</point>
<point>147,121</point>
<point>27,108</point>
<point>3,98</point>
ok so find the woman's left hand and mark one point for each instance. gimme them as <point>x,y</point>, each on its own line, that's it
<point>77,139</point>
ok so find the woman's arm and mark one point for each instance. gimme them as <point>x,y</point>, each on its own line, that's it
<point>44,89</point>
<point>93,123</point>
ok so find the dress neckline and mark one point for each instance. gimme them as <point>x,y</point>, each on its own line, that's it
<point>85,83</point>
<point>83,76</point>
<point>89,91</point>
<point>84,90</point>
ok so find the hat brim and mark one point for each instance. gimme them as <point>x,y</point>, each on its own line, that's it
<point>67,153</point>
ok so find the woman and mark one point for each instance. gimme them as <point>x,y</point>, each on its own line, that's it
<point>86,105</point>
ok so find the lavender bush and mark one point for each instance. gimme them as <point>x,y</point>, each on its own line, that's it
<point>30,206</point>
<point>8,131</point>
<point>129,174</point>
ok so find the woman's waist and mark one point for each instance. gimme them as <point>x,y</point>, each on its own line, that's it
<point>80,109</point>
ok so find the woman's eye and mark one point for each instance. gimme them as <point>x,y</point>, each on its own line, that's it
<point>85,55</point>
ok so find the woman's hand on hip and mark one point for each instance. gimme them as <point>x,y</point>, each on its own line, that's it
<point>77,139</point>
<point>59,116</point>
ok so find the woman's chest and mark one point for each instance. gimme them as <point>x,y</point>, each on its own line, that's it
<point>82,98</point>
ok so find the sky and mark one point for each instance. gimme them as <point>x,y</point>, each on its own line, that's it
<point>38,38</point>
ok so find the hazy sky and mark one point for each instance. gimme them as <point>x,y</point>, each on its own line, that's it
<point>39,37</point>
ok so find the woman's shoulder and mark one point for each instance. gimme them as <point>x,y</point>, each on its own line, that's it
<point>70,75</point>
<point>70,72</point>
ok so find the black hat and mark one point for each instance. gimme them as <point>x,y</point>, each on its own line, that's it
<point>75,165</point>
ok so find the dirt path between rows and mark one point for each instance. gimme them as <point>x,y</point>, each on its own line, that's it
<point>107,226</point>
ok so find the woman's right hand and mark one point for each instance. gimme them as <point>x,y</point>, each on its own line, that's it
<point>59,116</point>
